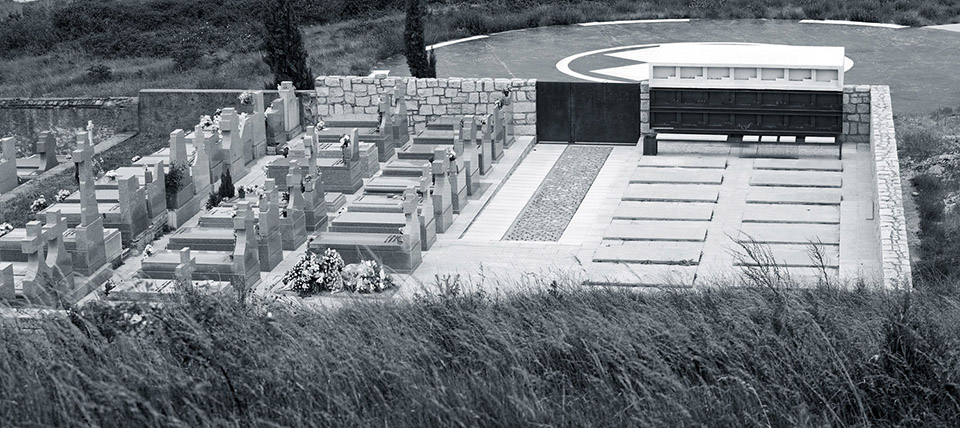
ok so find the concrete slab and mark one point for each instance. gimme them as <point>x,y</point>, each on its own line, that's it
<point>657,231</point>
<point>819,214</point>
<point>662,253</point>
<point>796,179</point>
<point>714,162</point>
<point>791,255</point>
<point>799,164</point>
<point>677,175</point>
<point>792,195</point>
<point>779,233</point>
<point>671,193</point>
<point>633,274</point>
<point>636,210</point>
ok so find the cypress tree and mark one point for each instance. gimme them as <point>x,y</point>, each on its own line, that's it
<point>421,65</point>
<point>283,48</point>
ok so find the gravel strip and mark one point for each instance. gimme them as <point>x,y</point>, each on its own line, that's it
<point>556,201</point>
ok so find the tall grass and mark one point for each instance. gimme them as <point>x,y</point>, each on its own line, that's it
<point>556,356</point>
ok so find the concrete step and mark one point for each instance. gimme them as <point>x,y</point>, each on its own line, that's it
<point>677,175</point>
<point>705,162</point>
<point>820,214</point>
<point>793,195</point>
<point>640,275</point>
<point>637,210</point>
<point>795,179</point>
<point>799,164</point>
<point>779,233</point>
<point>660,253</point>
<point>642,230</point>
<point>671,193</point>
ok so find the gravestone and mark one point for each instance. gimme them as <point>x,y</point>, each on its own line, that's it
<point>344,175</point>
<point>471,158</point>
<point>403,119</point>
<point>276,135</point>
<point>256,128</point>
<point>8,290</point>
<point>133,209</point>
<point>90,255</point>
<point>490,136</point>
<point>8,165</point>
<point>184,271</point>
<point>35,282</point>
<point>316,202</point>
<point>293,224</point>
<point>58,260</point>
<point>156,189</point>
<point>47,151</point>
<point>291,109</point>
<point>270,238</point>
<point>180,160</point>
<point>232,145</point>
<point>246,253</point>
<point>442,204</point>
<point>201,167</point>
<point>485,150</point>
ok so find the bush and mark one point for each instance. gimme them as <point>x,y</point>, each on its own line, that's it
<point>226,190</point>
<point>99,73</point>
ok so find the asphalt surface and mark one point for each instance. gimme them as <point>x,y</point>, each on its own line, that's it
<point>921,65</point>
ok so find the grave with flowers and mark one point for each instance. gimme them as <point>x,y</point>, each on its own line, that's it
<point>328,146</point>
<point>442,195</point>
<point>398,248</point>
<point>342,174</point>
<point>390,201</point>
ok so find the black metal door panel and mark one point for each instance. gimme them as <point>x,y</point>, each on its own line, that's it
<point>588,112</point>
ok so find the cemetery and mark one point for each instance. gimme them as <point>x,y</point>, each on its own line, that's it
<point>430,176</point>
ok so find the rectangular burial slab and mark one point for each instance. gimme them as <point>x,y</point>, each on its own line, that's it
<point>368,222</point>
<point>404,168</point>
<point>642,210</point>
<point>694,231</point>
<point>764,213</point>
<point>351,120</point>
<point>793,255</point>
<point>779,233</point>
<point>708,162</point>
<point>421,151</point>
<point>661,253</point>
<point>640,275</point>
<point>791,195</point>
<point>671,193</point>
<point>795,179</point>
<point>677,175</point>
<point>799,164</point>
<point>391,185</point>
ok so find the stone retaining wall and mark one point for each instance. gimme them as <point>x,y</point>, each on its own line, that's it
<point>25,118</point>
<point>891,224</point>
<point>856,114</point>
<point>428,99</point>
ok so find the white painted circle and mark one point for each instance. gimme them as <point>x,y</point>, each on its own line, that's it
<point>639,72</point>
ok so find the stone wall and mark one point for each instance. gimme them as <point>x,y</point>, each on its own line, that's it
<point>163,110</point>
<point>25,118</point>
<point>644,107</point>
<point>856,114</point>
<point>891,224</point>
<point>428,99</point>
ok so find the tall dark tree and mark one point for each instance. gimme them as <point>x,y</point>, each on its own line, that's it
<point>283,48</point>
<point>421,65</point>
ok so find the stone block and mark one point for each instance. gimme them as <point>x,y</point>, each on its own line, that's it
<point>469,85</point>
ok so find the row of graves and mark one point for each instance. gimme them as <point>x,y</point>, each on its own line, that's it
<point>14,171</point>
<point>76,243</point>
<point>359,184</point>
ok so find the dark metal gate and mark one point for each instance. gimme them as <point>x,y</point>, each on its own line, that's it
<point>586,112</point>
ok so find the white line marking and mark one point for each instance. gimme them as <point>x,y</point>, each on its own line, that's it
<point>862,24</point>
<point>635,21</point>
<point>453,42</point>
<point>564,65</point>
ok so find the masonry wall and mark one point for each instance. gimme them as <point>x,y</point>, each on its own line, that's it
<point>856,114</point>
<point>891,224</point>
<point>428,99</point>
<point>163,110</point>
<point>25,118</point>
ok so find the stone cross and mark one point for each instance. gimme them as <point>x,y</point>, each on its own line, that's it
<point>83,159</point>
<point>426,179</point>
<point>294,180</point>
<point>411,228</point>
<point>7,286</point>
<point>441,194</point>
<point>90,129</point>
<point>355,145</point>
<point>258,104</point>
<point>9,146</point>
<point>229,121</point>
<point>59,261</point>
<point>470,123</point>
<point>311,142</point>
<point>47,148</point>
<point>184,271</point>
<point>35,284</point>
<point>269,210</point>
<point>245,249</point>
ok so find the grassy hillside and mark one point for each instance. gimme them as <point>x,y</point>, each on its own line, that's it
<point>555,356</point>
<point>207,44</point>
